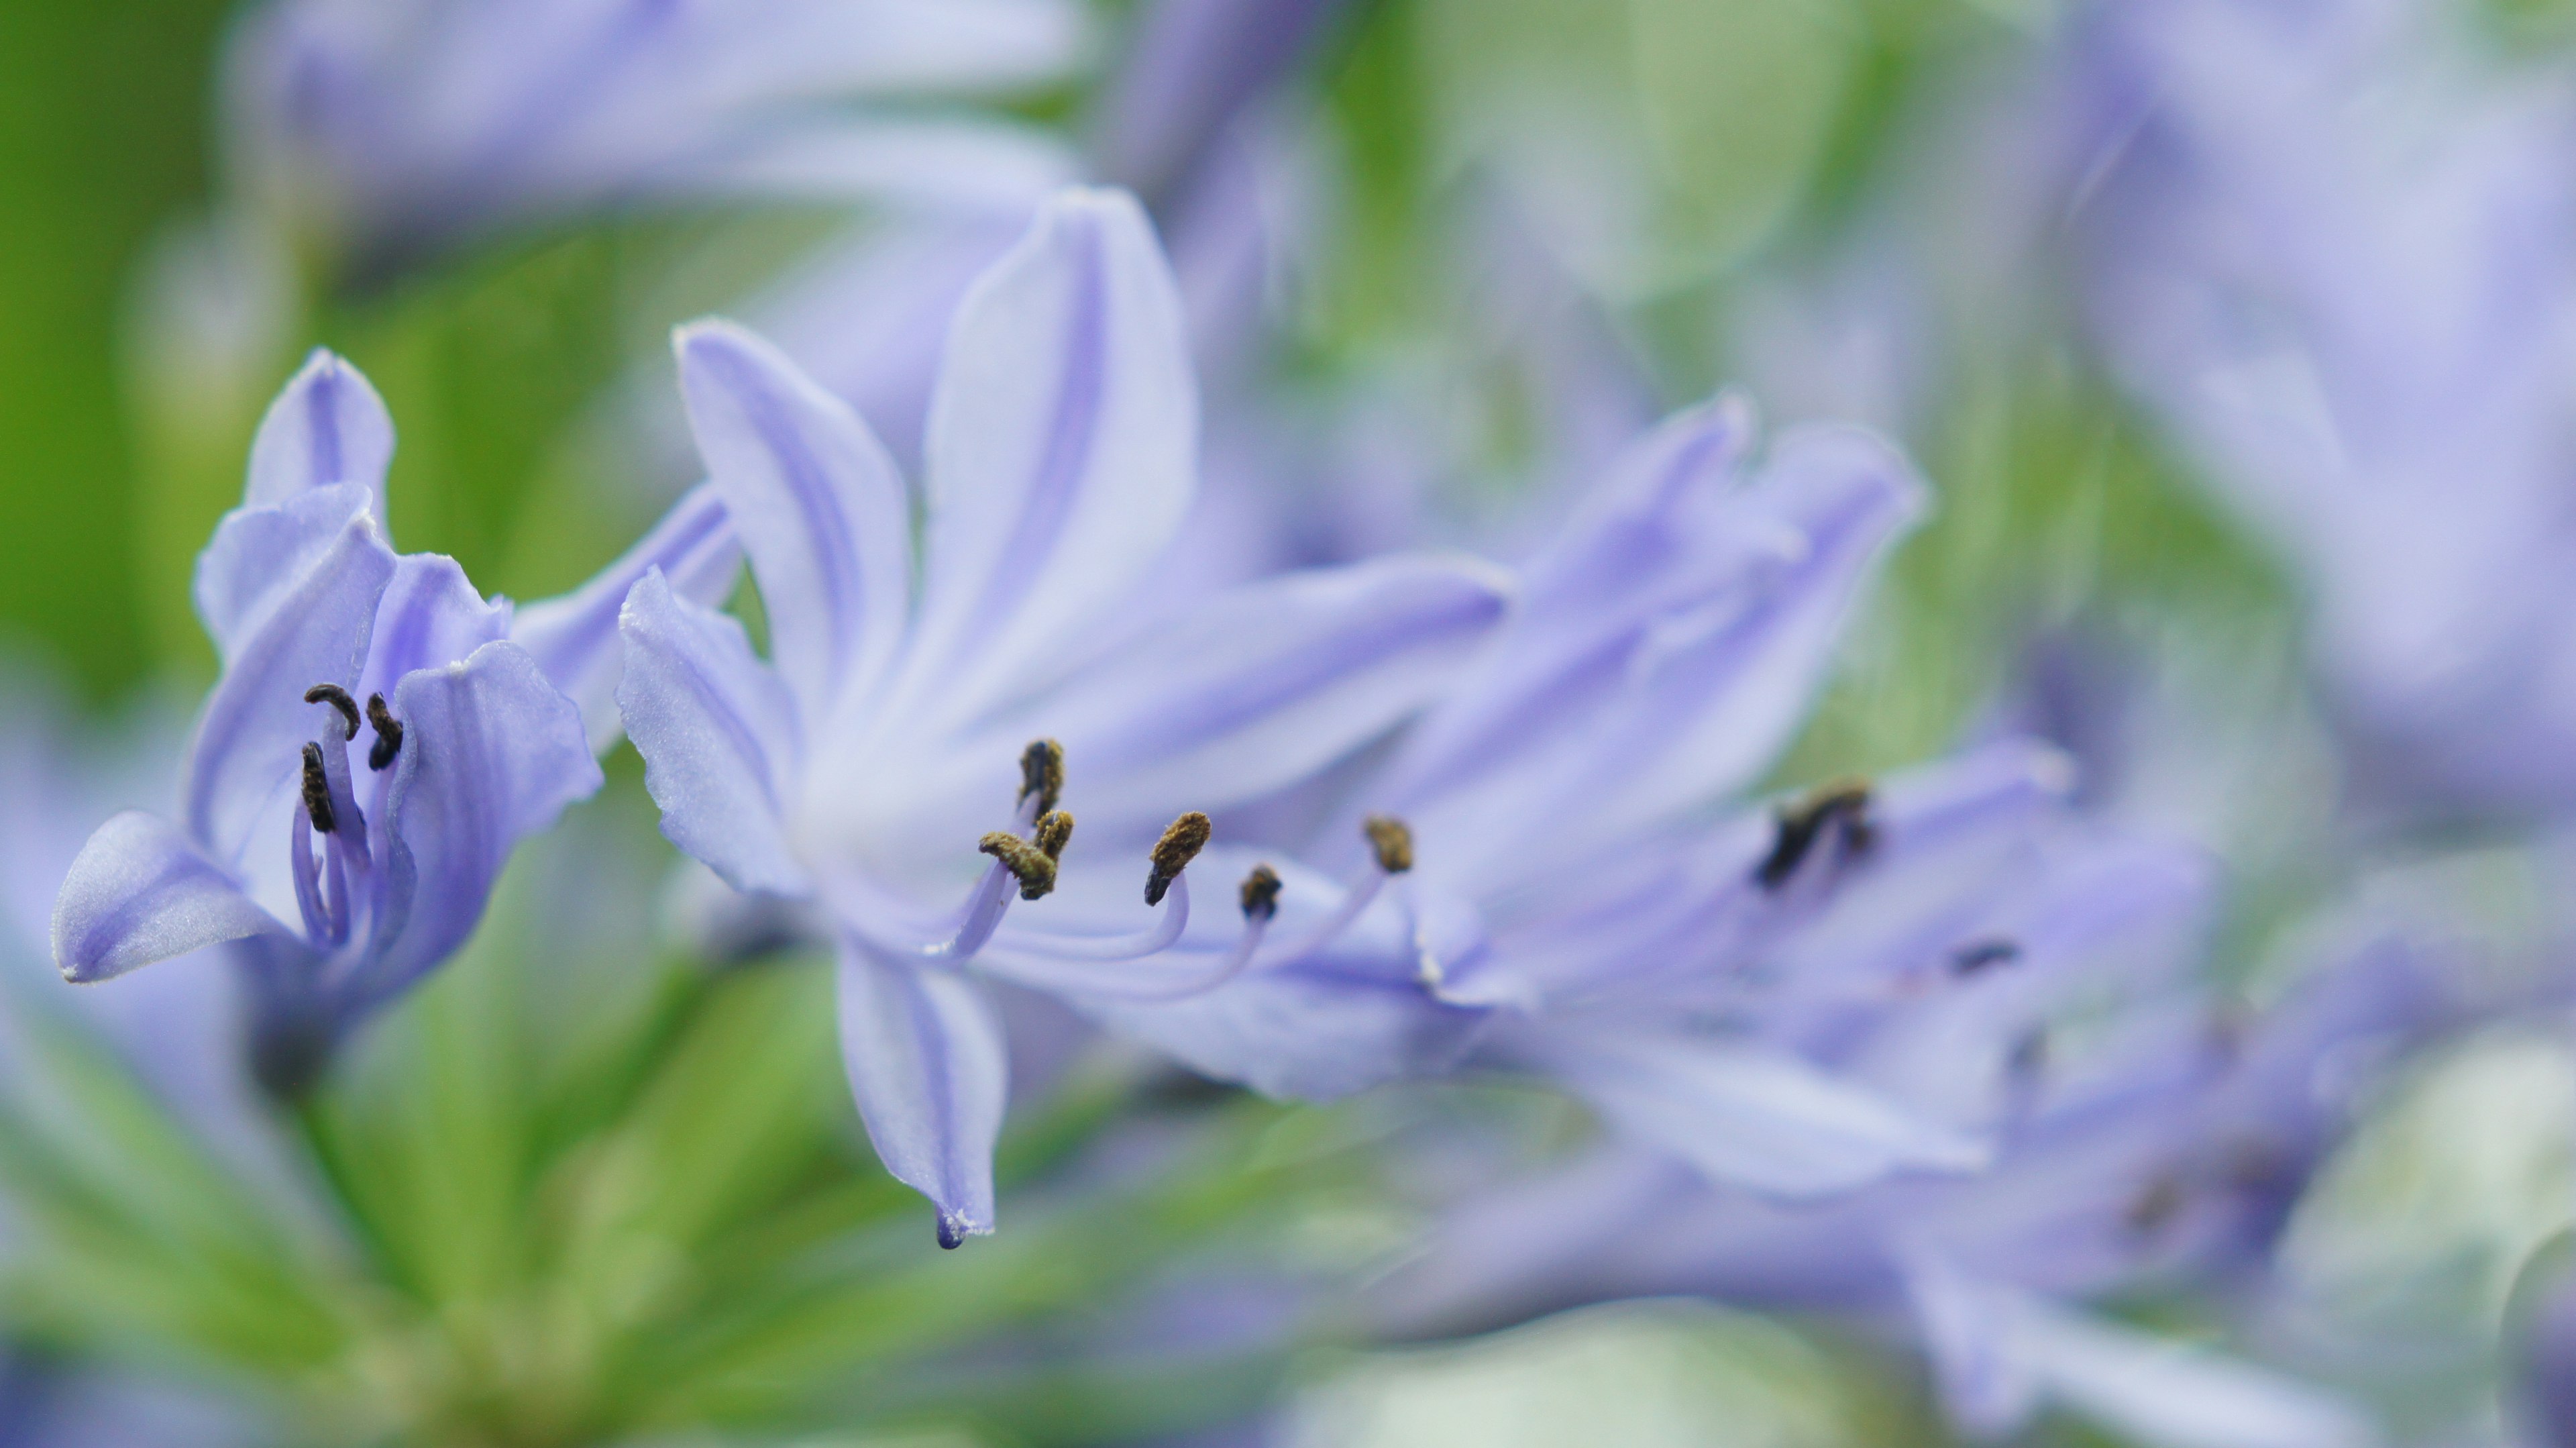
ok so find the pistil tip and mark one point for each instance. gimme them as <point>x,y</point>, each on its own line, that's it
<point>1392,840</point>
<point>1172,853</point>
<point>1042,773</point>
<point>1261,893</point>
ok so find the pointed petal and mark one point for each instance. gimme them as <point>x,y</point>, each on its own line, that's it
<point>327,427</point>
<point>137,893</point>
<point>250,737</point>
<point>491,754</point>
<point>927,1063</point>
<point>1061,451</point>
<point>718,734</point>
<point>430,616</point>
<point>818,506</point>
<point>258,555</point>
<point>574,638</point>
<point>1269,683</point>
<point>1750,1116</point>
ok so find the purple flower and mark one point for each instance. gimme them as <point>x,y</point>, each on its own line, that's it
<point>897,764</point>
<point>384,129</point>
<point>2542,1337</point>
<point>380,738</point>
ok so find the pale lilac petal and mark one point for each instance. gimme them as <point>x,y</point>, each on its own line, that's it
<point>574,637</point>
<point>139,892</point>
<point>258,556</point>
<point>491,754</point>
<point>430,615</point>
<point>1748,1115</point>
<point>960,165</point>
<point>927,1063</point>
<point>1269,683</point>
<point>1974,1334</point>
<point>250,737</point>
<point>818,506</point>
<point>2165,1394</point>
<point>1061,452</point>
<point>718,734</point>
<point>327,427</point>
<point>1302,1034</point>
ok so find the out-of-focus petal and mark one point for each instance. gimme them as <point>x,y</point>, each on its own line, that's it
<point>139,892</point>
<point>1751,1116</point>
<point>718,734</point>
<point>574,637</point>
<point>1060,452</point>
<point>2166,1394</point>
<point>818,506</point>
<point>327,427</point>
<point>927,1063</point>
<point>251,735</point>
<point>956,166</point>
<point>1270,682</point>
<point>491,753</point>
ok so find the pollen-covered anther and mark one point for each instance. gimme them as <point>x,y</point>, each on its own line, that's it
<point>338,698</point>
<point>1030,864</point>
<point>389,733</point>
<point>1053,831</point>
<point>1172,853</point>
<point>1261,893</point>
<point>1840,808</point>
<point>1392,841</point>
<point>1042,774</point>
<point>317,790</point>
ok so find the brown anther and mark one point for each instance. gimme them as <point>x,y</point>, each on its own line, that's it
<point>1172,853</point>
<point>317,790</point>
<point>1042,773</point>
<point>1052,832</point>
<point>1392,840</point>
<point>1842,806</point>
<point>338,698</point>
<point>1031,865</point>
<point>388,729</point>
<point>1261,893</point>
<point>1979,955</point>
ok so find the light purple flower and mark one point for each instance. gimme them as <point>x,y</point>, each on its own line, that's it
<point>886,746</point>
<point>2542,1339</point>
<point>385,129</point>
<point>380,737</point>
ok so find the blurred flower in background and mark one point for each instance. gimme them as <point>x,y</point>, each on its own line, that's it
<point>1395,897</point>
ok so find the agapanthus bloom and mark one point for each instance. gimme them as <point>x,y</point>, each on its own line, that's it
<point>380,738</point>
<point>904,762</point>
<point>388,128</point>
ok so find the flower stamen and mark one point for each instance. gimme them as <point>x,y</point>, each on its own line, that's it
<point>338,698</point>
<point>389,734</point>
<point>1841,807</point>
<point>1041,777</point>
<point>1172,853</point>
<point>317,788</point>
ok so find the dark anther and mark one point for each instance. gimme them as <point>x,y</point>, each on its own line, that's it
<point>1173,852</point>
<point>1843,804</point>
<point>1030,864</point>
<point>1261,893</point>
<point>338,698</point>
<point>1978,955</point>
<point>388,733</point>
<point>1052,832</point>
<point>1392,841</point>
<point>2155,1207</point>
<point>1042,773</point>
<point>317,790</point>
<point>952,1232</point>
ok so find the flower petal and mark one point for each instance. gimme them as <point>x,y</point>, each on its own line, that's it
<point>818,506</point>
<point>717,730</point>
<point>927,1063</point>
<point>1750,1116</point>
<point>491,754</point>
<point>258,555</point>
<point>327,427</point>
<point>139,892</point>
<point>1061,452</point>
<point>430,616</point>
<point>250,736</point>
<point>574,638</point>
<point>1268,683</point>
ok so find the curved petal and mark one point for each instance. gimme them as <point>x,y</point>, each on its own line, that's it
<point>139,892</point>
<point>251,734</point>
<point>491,754</point>
<point>430,615</point>
<point>327,427</point>
<point>718,734</point>
<point>1269,683</point>
<point>574,638</point>
<point>1750,1116</point>
<point>1061,452</point>
<point>817,503</point>
<point>928,1066</point>
<point>258,555</point>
